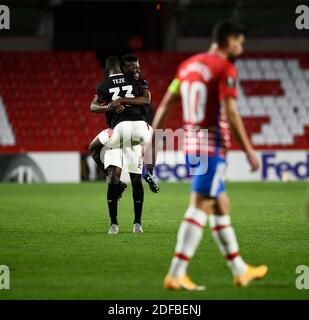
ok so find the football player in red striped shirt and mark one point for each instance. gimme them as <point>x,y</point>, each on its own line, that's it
<point>206,85</point>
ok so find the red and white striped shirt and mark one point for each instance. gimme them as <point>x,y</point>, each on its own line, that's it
<point>202,81</point>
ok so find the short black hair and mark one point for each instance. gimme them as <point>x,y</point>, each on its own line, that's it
<point>224,29</point>
<point>129,58</point>
<point>112,62</point>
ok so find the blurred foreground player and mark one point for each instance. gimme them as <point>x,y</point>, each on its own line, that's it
<point>206,84</point>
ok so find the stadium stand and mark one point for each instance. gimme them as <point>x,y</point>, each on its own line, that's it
<point>44,97</point>
<point>273,95</point>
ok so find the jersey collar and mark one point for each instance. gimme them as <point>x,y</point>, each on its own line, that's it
<point>116,74</point>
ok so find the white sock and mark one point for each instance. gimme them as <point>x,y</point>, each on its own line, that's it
<point>225,237</point>
<point>189,236</point>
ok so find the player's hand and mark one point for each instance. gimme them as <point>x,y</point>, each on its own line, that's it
<point>115,103</point>
<point>115,106</point>
<point>119,109</point>
<point>253,161</point>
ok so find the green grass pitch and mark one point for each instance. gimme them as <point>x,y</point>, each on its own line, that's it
<point>53,238</point>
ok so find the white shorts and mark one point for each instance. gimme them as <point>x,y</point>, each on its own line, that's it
<point>126,134</point>
<point>129,159</point>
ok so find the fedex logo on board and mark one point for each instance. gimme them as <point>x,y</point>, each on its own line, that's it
<point>272,166</point>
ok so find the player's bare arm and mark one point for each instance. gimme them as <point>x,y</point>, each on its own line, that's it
<point>138,101</point>
<point>97,107</point>
<point>238,129</point>
<point>147,91</point>
<point>168,103</point>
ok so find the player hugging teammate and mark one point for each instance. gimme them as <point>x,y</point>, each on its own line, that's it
<point>123,97</point>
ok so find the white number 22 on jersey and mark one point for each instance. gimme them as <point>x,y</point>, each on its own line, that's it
<point>194,96</point>
<point>115,91</point>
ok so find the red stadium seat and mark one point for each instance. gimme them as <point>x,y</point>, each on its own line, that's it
<point>47,96</point>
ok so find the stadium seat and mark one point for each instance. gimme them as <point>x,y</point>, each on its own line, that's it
<point>272,85</point>
<point>45,96</point>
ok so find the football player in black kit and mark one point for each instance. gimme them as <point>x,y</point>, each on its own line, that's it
<point>126,90</point>
<point>131,66</point>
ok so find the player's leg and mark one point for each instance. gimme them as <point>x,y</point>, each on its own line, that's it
<point>113,191</point>
<point>149,165</point>
<point>119,134</point>
<point>97,144</point>
<point>132,160</point>
<point>95,150</point>
<point>138,199</point>
<point>123,187</point>
<point>141,132</point>
<point>149,178</point>
<point>108,138</point>
<point>98,153</point>
<point>129,133</point>
<point>225,237</point>
<point>191,229</point>
<point>189,235</point>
